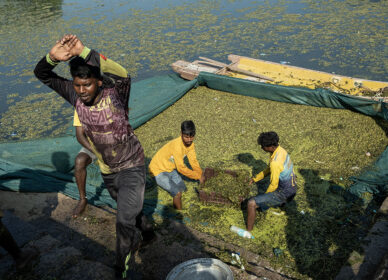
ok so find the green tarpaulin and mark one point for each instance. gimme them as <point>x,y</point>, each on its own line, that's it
<point>375,179</point>
<point>45,165</point>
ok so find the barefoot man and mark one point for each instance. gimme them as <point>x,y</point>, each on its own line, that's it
<point>168,161</point>
<point>103,113</point>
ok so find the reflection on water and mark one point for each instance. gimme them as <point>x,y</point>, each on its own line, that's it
<point>345,37</point>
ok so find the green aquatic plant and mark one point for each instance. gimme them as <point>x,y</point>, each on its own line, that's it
<point>232,186</point>
<point>327,146</point>
<point>318,230</point>
<point>36,116</point>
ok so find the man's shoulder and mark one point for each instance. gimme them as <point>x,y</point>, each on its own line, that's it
<point>175,143</point>
<point>280,150</point>
<point>170,145</point>
<point>283,151</point>
<point>192,147</point>
<point>280,156</point>
<point>177,140</point>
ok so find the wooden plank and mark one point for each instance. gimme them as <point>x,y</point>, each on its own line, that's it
<point>234,68</point>
<point>213,62</point>
<point>190,70</point>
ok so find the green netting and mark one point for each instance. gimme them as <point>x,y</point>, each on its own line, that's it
<point>303,96</point>
<point>45,165</point>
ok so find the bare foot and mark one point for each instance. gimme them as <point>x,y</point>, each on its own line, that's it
<point>80,208</point>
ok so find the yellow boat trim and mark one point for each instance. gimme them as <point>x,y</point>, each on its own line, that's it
<point>288,75</point>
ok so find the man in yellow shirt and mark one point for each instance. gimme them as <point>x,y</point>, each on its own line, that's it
<point>168,161</point>
<point>282,187</point>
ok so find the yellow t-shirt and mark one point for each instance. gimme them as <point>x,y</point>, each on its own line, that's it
<point>280,167</point>
<point>171,156</point>
<point>76,121</point>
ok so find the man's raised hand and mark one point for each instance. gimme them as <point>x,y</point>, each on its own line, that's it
<point>74,45</point>
<point>66,48</point>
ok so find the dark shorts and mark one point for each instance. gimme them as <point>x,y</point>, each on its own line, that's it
<point>171,182</point>
<point>267,200</point>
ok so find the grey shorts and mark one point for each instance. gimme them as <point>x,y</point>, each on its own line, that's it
<point>89,153</point>
<point>171,182</point>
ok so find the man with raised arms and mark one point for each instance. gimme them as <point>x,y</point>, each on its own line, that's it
<point>103,113</point>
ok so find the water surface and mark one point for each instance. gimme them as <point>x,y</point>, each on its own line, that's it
<point>345,37</point>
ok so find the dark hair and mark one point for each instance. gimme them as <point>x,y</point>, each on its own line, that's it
<point>79,68</point>
<point>188,128</point>
<point>268,139</point>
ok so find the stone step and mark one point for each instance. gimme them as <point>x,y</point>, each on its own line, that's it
<point>56,260</point>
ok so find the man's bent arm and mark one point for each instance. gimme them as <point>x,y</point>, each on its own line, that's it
<point>276,168</point>
<point>262,174</point>
<point>44,72</point>
<point>183,169</point>
<point>107,66</point>
<point>81,137</point>
<point>192,157</point>
<point>80,132</point>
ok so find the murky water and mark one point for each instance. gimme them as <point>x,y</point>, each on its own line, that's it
<point>346,37</point>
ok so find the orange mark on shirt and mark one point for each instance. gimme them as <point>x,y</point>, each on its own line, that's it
<point>103,57</point>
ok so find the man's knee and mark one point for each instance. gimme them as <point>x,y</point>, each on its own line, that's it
<point>178,195</point>
<point>82,160</point>
<point>127,220</point>
<point>128,211</point>
<point>252,204</point>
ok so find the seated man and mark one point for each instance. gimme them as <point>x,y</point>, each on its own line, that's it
<point>282,187</point>
<point>168,161</point>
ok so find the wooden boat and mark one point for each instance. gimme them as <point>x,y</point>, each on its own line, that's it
<point>281,74</point>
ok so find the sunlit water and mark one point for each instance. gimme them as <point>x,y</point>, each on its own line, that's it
<point>146,36</point>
